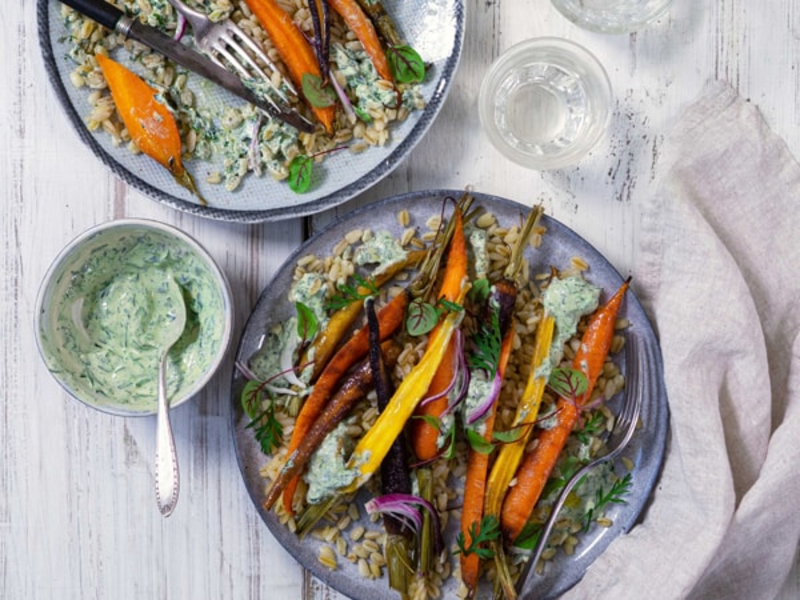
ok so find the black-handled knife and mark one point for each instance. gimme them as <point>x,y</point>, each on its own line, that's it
<point>111,17</point>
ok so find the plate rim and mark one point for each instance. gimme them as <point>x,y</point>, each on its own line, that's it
<point>366,181</point>
<point>659,409</point>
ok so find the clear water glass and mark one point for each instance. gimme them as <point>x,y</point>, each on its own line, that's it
<point>612,16</point>
<point>545,103</point>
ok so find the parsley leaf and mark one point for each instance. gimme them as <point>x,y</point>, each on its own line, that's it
<point>349,293</point>
<point>615,495</point>
<point>487,531</point>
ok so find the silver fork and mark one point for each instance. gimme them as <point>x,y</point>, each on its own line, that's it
<point>229,47</point>
<point>624,427</point>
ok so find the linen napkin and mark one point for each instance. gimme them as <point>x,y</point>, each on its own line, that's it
<point>719,274</point>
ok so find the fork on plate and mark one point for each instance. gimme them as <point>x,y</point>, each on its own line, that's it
<point>226,44</point>
<point>621,435</point>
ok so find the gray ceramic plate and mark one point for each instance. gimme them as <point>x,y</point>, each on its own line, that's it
<point>559,245</point>
<point>434,28</point>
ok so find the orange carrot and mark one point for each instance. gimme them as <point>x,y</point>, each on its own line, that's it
<point>537,465</point>
<point>362,27</point>
<point>323,346</point>
<point>357,384</point>
<point>390,318</point>
<point>293,48</point>
<point>424,436</point>
<point>475,483</point>
<point>150,124</point>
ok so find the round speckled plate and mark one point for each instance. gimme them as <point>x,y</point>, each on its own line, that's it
<point>558,246</point>
<point>434,28</point>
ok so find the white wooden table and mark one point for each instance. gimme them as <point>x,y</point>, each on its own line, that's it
<point>77,515</point>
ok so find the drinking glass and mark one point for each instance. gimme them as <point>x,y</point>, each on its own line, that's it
<point>545,103</point>
<point>612,16</point>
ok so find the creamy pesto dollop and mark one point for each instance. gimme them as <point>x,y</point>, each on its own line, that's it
<point>382,249</point>
<point>278,352</point>
<point>113,309</point>
<point>566,300</point>
<point>327,470</point>
<point>477,244</point>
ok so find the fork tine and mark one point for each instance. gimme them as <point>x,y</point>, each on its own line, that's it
<point>257,50</point>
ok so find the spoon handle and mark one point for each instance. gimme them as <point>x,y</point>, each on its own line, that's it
<point>167,479</point>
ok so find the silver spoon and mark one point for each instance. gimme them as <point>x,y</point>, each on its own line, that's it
<point>167,477</point>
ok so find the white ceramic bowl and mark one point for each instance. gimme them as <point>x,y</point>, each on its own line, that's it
<point>94,308</point>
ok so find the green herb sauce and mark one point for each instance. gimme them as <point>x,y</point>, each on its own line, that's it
<point>113,308</point>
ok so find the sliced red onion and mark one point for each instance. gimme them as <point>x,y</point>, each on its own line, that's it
<point>406,508</point>
<point>456,384</point>
<point>346,104</point>
<point>487,402</point>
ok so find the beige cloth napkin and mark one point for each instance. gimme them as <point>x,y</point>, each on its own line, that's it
<point>719,273</point>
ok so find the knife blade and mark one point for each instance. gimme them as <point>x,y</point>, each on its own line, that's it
<point>111,17</point>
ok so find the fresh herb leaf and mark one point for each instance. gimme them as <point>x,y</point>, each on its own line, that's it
<point>488,530</point>
<point>300,169</point>
<point>317,94</point>
<point>487,342</point>
<point>591,427</point>
<point>479,292</point>
<point>478,443</point>
<point>615,495</point>
<point>445,305</point>
<point>529,536</point>
<point>251,397</point>
<point>307,324</point>
<point>510,435</point>
<point>362,114</point>
<point>406,64</point>
<point>568,383</point>
<point>267,428</point>
<point>421,317</point>
<point>430,420</point>
<point>349,293</point>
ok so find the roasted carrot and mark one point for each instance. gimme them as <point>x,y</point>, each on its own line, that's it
<point>475,483</point>
<point>424,436</point>
<point>293,49</point>
<point>354,387</point>
<point>391,317</point>
<point>383,22</point>
<point>362,27</point>
<point>324,344</point>
<point>537,465</point>
<point>371,449</point>
<point>150,124</point>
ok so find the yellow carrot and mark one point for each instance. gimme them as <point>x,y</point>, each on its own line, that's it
<point>372,448</point>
